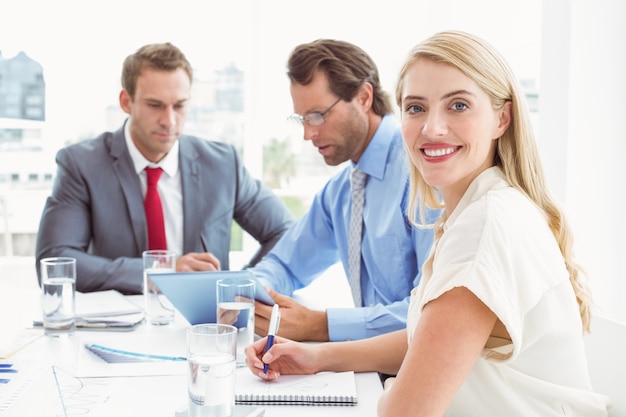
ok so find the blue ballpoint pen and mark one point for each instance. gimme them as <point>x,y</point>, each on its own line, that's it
<point>271,332</point>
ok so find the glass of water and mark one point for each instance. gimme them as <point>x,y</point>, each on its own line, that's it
<point>211,351</point>
<point>159,310</point>
<point>235,306</point>
<point>58,301</point>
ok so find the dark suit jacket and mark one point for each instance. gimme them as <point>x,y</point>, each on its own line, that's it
<point>96,215</point>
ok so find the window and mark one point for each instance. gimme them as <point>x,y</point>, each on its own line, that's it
<point>251,39</point>
<point>241,92</point>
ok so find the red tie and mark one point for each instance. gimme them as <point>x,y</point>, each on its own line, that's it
<point>154,211</point>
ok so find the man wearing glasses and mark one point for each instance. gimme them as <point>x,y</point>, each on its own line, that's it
<point>338,100</point>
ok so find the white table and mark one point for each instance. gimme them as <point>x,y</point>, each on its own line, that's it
<point>139,395</point>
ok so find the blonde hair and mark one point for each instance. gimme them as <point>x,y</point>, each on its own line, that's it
<point>516,154</point>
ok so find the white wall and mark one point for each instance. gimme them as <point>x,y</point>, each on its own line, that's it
<point>582,79</point>
<point>582,135</point>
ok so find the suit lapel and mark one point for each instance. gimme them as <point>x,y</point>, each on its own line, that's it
<point>192,190</point>
<point>131,188</point>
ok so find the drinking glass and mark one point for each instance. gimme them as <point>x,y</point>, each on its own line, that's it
<point>235,306</point>
<point>211,351</point>
<point>158,309</point>
<point>58,283</point>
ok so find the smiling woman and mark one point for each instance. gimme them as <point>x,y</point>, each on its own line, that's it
<point>449,151</point>
<point>81,54</point>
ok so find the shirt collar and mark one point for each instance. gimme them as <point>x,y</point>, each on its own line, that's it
<point>488,180</point>
<point>374,158</point>
<point>169,164</point>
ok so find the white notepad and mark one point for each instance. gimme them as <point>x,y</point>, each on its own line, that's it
<point>324,388</point>
<point>104,304</point>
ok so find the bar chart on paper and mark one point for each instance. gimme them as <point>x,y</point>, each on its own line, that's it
<point>36,389</point>
<point>16,379</point>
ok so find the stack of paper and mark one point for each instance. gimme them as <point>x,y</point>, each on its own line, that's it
<point>106,310</point>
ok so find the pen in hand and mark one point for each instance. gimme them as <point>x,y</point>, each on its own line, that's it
<point>208,261</point>
<point>271,332</point>
<point>203,242</point>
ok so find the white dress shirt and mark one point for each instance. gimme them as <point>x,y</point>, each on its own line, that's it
<point>169,186</point>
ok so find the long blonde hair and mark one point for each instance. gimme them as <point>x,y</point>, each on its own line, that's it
<point>516,152</point>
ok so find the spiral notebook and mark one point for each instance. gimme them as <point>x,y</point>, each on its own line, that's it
<point>324,388</point>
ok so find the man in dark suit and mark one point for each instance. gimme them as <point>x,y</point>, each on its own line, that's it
<point>96,210</point>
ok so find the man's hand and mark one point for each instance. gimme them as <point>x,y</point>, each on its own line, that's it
<point>193,261</point>
<point>226,316</point>
<point>296,321</point>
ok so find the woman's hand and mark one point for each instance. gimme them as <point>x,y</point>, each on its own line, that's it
<point>285,357</point>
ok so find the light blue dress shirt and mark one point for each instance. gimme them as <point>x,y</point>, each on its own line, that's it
<point>392,249</point>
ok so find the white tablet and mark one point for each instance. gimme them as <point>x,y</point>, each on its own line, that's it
<point>194,293</point>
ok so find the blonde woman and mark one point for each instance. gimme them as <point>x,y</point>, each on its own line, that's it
<point>495,326</point>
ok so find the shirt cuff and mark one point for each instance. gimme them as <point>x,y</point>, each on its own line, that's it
<point>346,324</point>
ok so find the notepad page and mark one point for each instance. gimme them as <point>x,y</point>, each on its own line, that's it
<point>104,304</point>
<point>324,388</point>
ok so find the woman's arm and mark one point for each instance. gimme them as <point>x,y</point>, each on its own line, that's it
<point>383,353</point>
<point>449,337</point>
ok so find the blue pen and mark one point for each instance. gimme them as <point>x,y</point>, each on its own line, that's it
<point>106,352</point>
<point>271,332</point>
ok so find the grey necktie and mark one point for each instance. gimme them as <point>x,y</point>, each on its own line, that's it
<point>357,181</point>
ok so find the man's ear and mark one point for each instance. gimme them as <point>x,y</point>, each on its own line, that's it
<point>125,100</point>
<point>365,96</point>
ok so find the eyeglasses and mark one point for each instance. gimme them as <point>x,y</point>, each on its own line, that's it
<point>315,118</point>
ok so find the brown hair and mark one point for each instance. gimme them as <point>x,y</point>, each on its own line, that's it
<point>158,56</point>
<point>346,65</point>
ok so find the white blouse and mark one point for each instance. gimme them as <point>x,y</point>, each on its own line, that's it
<point>498,245</point>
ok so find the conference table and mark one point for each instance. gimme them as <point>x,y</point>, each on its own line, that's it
<point>59,377</point>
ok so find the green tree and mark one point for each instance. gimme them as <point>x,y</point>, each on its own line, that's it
<point>278,163</point>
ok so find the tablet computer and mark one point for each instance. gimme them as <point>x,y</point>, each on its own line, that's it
<point>194,293</point>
